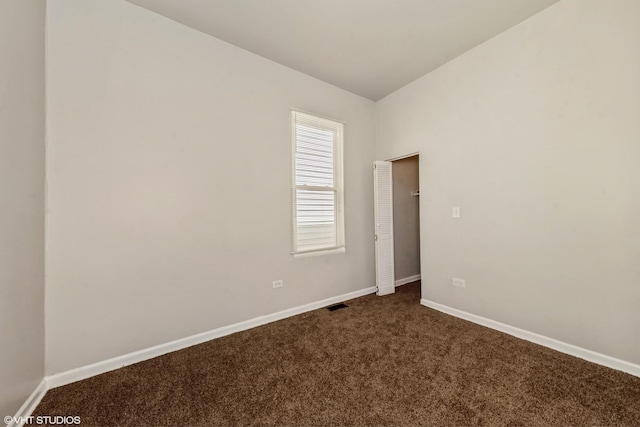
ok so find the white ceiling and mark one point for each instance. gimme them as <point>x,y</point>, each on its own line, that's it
<point>368,47</point>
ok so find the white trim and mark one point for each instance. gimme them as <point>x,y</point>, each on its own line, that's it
<point>315,252</point>
<point>406,156</point>
<point>563,347</point>
<point>29,405</point>
<point>87,371</point>
<point>331,119</point>
<point>406,280</point>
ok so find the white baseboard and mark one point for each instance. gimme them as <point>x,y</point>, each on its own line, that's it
<point>406,280</point>
<point>73,375</point>
<point>563,347</point>
<point>27,408</point>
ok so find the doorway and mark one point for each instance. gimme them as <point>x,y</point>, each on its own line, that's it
<point>406,222</point>
<point>397,217</point>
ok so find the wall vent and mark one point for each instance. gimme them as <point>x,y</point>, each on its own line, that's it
<point>337,307</point>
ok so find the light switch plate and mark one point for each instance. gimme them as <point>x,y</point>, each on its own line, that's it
<point>455,212</point>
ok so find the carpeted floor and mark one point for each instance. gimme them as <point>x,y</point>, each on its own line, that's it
<point>381,361</point>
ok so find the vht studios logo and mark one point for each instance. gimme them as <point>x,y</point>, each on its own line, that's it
<point>43,419</point>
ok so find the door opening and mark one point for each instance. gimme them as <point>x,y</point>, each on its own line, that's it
<point>406,222</point>
<point>397,221</point>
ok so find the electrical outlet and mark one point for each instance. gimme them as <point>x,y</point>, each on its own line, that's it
<point>459,283</point>
<point>277,284</point>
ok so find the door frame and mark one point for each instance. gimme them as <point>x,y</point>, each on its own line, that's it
<point>405,156</point>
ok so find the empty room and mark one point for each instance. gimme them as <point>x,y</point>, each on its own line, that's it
<point>305,212</point>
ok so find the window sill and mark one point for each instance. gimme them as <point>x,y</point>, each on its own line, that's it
<point>329,251</point>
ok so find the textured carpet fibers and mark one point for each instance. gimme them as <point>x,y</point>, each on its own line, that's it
<point>380,361</point>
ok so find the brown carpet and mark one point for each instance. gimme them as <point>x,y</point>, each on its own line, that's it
<point>381,361</point>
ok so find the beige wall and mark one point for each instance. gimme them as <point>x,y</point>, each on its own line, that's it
<point>535,135</point>
<point>168,171</point>
<point>406,218</point>
<point>21,201</point>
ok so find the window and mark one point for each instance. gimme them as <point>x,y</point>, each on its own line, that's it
<point>318,217</point>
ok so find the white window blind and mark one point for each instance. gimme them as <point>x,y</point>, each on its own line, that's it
<point>318,223</point>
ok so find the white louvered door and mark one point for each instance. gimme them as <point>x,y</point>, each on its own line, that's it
<point>383,201</point>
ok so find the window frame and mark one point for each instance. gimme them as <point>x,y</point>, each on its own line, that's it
<point>338,183</point>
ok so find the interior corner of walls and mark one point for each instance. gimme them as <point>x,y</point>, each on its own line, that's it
<point>30,404</point>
